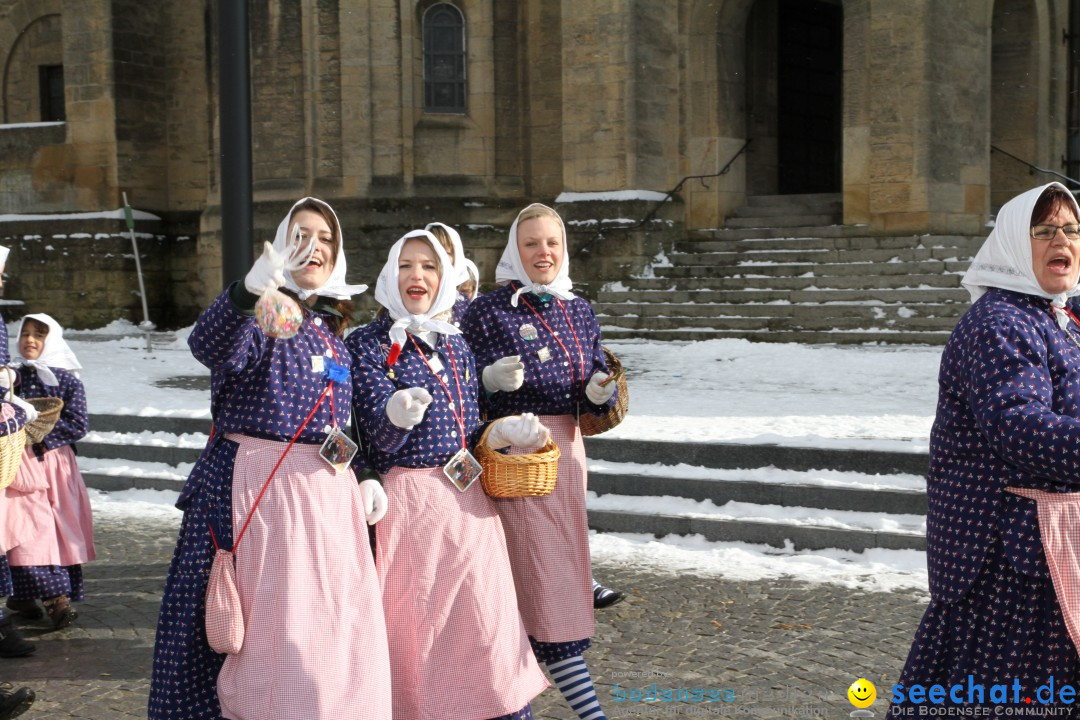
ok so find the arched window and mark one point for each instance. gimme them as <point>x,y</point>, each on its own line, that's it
<point>444,59</point>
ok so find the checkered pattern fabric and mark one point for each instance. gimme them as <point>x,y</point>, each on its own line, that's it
<point>224,619</point>
<point>457,645</point>
<point>315,638</point>
<point>548,540</point>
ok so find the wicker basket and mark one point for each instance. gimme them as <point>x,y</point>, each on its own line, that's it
<point>595,424</point>
<point>510,476</point>
<point>11,452</point>
<point>48,413</point>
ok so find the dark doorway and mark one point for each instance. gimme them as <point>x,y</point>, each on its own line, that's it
<point>809,69</point>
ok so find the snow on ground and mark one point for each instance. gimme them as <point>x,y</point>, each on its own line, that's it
<point>867,397</point>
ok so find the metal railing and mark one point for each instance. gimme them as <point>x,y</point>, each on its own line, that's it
<point>1035,168</point>
<point>648,217</point>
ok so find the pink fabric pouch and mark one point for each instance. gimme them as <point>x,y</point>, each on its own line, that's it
<point>224,615</point>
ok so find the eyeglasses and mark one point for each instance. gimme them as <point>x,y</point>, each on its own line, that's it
<point>1048,232</point>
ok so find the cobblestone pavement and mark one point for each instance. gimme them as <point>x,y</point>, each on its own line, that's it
<point>782,648</point>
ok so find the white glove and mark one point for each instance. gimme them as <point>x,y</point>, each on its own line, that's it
<point>407,407</point>
<point>6,377</point>
<point>268,272</point>
<point>30,410</point>
<point>597,394</point>
<point>523,431</point>
<point>375,502</point>
<point>506,374</point>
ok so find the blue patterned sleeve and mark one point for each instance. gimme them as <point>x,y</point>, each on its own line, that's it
<point>371,391</point>
<point>74,421</point>
<point>1011,393</point>
<point>225,338</point>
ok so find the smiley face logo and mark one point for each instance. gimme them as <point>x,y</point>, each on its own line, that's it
<point>862,693</point>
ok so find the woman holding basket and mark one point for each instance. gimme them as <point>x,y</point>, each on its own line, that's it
<point>457,645</point>
<point>314,639</point>
<point>537,348</point>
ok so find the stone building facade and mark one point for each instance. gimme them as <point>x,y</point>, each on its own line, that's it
<point>403,111</point>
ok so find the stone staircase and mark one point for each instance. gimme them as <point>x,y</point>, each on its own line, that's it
<point>784,271</point>
<point>763,494</point>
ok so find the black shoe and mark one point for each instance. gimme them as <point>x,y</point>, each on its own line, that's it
<point>15,702</point>
<point>12,644</point>
<point>603,597</point>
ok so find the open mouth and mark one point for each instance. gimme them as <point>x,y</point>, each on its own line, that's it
<point>1060,264</point>
<point>415,292</point>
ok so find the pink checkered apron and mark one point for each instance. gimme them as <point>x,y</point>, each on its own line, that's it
<point>548,540</point>
<point>457,645</point>
<point>70,506</point>
<point>315,639</point>
<point>1059,526</point>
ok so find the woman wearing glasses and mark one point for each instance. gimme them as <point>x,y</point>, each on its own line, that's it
<point>1004,478</point>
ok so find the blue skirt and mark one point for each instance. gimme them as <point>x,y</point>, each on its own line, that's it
<point>1007,627</point>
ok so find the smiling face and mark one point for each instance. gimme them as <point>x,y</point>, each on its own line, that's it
<point>1056,262</point>
<point>318,269</point>
<point>32,339</point>
<point>540,245</point>
<point>418,275</point>
<point>862,693</point>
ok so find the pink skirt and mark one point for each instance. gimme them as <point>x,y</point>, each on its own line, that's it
<point>457,645</point>
<point>30,538</point>
<point>71,510</point>
<point>315,639</point>
<point>548,540</point>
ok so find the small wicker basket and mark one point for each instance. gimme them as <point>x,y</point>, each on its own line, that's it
<point>11,453</point>
<point>595,424</point>
<point>48,413</point>
<point>511,476</point>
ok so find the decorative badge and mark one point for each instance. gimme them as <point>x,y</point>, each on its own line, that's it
<point>543,354</point>
<point>527,331</point>
<point>338,450</point>
<point>462,469</point>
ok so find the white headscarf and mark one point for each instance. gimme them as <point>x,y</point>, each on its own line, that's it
<point>4,252</point>
<point>510,266</point>
<point>335,286</point>
<point>472,273</point>
<point>459,251</point>
<point>1004,260</point>
<point>388,294</point>
<point>55,352</point>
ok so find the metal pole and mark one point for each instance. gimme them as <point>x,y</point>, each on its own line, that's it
<point>234,99</point>
<point>146,325</point>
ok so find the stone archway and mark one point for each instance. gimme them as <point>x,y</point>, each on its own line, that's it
<point>32,36</point>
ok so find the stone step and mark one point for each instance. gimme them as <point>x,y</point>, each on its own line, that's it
<point>851,318</point>
<point>799,537</point>
<point>863,268</point>
<point>812,296</point>
<point>797,313</point>
<point>885,336</point>
<point>737,281</point>
<point>832,209</point>
<point>801,199</point>
<point>966,245</point>
<point>781,221</point>
<point>816,256</point>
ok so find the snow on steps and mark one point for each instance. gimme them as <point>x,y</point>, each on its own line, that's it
<point>841,283</point>
<point>806,498</point>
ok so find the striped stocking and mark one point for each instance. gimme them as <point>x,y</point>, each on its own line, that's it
<point>576,685</point>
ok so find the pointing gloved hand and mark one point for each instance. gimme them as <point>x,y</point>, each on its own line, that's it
<point>599,394</point>
<point>374,499</point>
<point>524,431</point>
<point>30,410</point>
<point>407,407</point>
<point>506,374</point>
<point>268,272</point>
